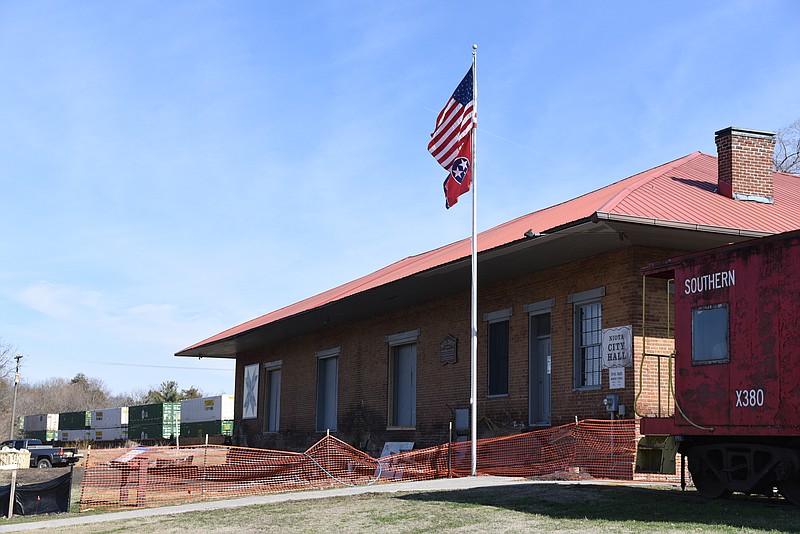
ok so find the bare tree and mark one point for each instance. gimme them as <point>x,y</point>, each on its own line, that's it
<point>7,371</point>
<point>787,149</point>
<point>88,393</point>
<point>56,395</point>
<point>7,363</point>
<point>132,398</point>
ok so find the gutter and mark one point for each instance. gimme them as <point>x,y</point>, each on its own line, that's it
<point>680,225</point>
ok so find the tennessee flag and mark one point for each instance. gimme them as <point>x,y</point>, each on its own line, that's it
<point>451,140</point>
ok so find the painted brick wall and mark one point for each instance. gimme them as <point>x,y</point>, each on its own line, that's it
<point>363,360</point>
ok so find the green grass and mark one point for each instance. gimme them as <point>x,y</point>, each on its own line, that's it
<point>540,507</point>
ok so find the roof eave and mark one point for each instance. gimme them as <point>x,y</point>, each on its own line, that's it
<point>680,225</point>
<point>229,347</point>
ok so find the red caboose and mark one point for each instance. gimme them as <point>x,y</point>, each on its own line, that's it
<point>736,382</point>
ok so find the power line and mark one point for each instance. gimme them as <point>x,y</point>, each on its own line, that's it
<point>129,364</point>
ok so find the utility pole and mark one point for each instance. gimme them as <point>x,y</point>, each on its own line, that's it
<point>18,357</point>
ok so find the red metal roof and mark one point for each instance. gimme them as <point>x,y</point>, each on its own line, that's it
<point>682,192</point>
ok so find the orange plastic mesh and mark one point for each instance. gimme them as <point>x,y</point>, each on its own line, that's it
<point>154,476</point>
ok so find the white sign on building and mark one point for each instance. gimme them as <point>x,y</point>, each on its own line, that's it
<point>617,348</point>
<point>616,378</point>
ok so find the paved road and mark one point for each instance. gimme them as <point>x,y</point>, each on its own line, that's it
<point>428,485</point>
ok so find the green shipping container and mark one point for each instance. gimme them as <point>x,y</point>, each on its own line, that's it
<point>74,420</point>
<point>44,435</point>
<point>212,428</point>
<point>163,412</point>
<point>152,430</point>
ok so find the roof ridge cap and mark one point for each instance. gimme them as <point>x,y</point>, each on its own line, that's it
<point>616,199</point>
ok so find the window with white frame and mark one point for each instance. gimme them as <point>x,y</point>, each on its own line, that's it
<point>272,396</point>
<point>588,320</point>
<point>497,357</point>
<point>403,379</point>
<point>327,389</point>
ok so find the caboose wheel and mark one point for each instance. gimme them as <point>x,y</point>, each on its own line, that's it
<point>705,480</point>
<point>790,489</point>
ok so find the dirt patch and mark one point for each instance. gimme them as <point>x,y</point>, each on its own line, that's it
<point>564,476</point>
<point>34,476</point>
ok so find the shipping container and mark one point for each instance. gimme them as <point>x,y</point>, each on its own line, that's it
<point>37,423</point>
<point>74,434</point>
<point>203,428</point>
<point>74,420</point>
<point>109,434</point>
<point>44,435</point>
<point>163,412</point>
<point>206,409</point>
<point>153,430</point>
<point>109,418</point>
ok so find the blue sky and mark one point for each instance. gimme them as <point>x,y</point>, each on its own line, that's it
<point>171,169</point>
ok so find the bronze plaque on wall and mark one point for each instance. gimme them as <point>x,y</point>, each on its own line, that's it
<point>448,350</point>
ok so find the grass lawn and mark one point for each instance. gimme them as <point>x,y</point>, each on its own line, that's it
<point>519,508</point>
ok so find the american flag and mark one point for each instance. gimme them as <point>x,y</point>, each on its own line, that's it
<point>454,124</point>
<point>451,143</point>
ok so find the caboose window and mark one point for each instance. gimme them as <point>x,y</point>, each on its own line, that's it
<point>710,334</point>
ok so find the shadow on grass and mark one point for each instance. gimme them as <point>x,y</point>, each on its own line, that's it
<point>660,507</point>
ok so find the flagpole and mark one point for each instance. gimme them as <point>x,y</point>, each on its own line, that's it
<point>474,314</point>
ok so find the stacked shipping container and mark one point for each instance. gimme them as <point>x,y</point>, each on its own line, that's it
<point>74,426</point>
<point>154,421</point>
<point>212,416</point>
<point>207,416</point>
<point>42,426</point>
<point>110,424</point>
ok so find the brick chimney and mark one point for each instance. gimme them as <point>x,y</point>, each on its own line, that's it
<point>744,160</point>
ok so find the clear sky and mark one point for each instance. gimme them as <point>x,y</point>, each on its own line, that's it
<point>171,169</point>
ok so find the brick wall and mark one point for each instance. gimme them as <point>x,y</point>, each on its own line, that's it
<point>745,164</point>
<point>657,343</point>
<point>363,360</point>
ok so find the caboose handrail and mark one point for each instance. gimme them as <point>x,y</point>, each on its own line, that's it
<point>670,364</point>
<point>645,354</point>
<point>678,406</point>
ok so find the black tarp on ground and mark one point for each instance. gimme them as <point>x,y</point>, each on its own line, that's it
<point>41,498</point>
<point>5,491</point>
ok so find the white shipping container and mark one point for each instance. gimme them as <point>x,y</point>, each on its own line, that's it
<point>109,434</point>
<point>219,408</point>
<point>109,418</point>
<point>74,435</point>
<point>41,423</point>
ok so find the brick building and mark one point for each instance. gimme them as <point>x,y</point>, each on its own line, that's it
<point>386,357</point>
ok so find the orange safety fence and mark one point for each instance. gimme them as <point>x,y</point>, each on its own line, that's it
<point>155,476</point>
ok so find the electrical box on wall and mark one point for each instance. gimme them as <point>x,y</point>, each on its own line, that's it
<point>611,402</point>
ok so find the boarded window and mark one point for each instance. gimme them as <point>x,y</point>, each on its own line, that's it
<point>403,385</point>
<point>273,400</point>
<point>498,358</point>
<point>327,392</point>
